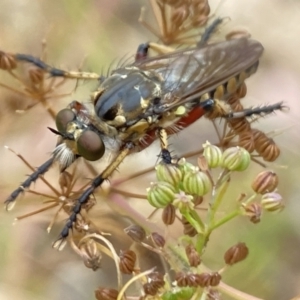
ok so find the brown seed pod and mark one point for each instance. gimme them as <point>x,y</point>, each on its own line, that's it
<point>169,214</point>
<point>179,16</point>
<point>135,232</point>
<point>186,279</point>
<point>264,182</point>
<point>156,279</point>
<point>188,228</point>
<point>253,211</point>
<point>239,124</point>
<point>203,279</point>
<point>246,141</point>
<point>91,255</point>
<point>149,289</point>
<point>7,61</point>
<point>192,255</point>
<point>158,240</point>
<point>182,279</point>
<point>236,254</point>
<point>267,148</point>
<point>127,261</point>
<point>215,279</point>
<point>237,106</point>
<point>198,200</point>
<point>106,294</point>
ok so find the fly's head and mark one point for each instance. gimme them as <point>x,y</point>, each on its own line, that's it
<point>77,136</point>
<point>123,98</point>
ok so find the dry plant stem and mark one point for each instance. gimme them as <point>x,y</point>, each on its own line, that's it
<point>156,12</point>
<point>132,280</point>
<point>35,212</point>
<point>127,194</point>
<point>234,293</point>
<point>54,217</point>
<point>14,90</point>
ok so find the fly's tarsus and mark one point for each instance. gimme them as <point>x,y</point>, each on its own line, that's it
<point>10,201</point>
<point>258,111</point>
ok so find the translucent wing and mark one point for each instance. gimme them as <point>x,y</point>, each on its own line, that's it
<point>191,73</point>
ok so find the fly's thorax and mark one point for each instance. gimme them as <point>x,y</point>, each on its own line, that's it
<point>125,96</point>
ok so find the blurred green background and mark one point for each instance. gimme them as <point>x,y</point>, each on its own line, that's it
<point>97,33</point>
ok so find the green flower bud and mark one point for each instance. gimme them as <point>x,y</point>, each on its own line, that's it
<point>236,159</point>
<point>272,202</point>
<point>168,173</point>
<point>195,182</point>
<point>160,194</point>
<point>212,154</point>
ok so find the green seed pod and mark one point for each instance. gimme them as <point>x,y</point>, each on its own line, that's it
<point>160,194</point>
<point>168,173</point>
<point>212,154</point>
<point>185,166</point>
<point>236,159</point>
<point>272,202</point>
<point>196,182</point>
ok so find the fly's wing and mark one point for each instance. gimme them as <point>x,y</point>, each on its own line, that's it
<point>189,74</point>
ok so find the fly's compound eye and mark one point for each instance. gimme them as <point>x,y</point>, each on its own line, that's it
<point>90,145</point>
<point>62,119</point>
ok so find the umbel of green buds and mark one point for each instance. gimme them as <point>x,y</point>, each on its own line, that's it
<point>236,159</point>
<point>195,182</point>
<point>160,194</point>
<point>212,154</point>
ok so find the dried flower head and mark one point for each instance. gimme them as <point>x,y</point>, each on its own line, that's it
<point>91,255</point>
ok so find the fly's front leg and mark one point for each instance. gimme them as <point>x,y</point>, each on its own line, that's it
<point>54,72</point>
<point>61,241</point>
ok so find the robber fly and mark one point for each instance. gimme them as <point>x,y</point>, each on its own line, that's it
<point>146,100</point>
